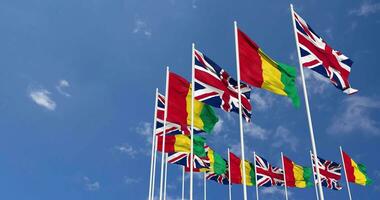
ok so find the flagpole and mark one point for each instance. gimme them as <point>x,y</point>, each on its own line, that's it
<point>166,174</point>
<point>154,166</point>
<point>204,187</point>
<point>314,148</point>
<point>345,173</point>
<point>315,181</point>
<point>257,187</point>
<point>240,110</point>
<point>151,184</point>
<point>192,122</point>
<point>229,175</point>
<point>283,167</point>
<point>164,132</point>
<point>183,183</point>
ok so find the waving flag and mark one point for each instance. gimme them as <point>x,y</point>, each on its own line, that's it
<point>222,178</point>
<point>356,173</point>
<point>297,175</point>
<point>236,167</point>
<point>171,128</point>
<point>259,70</point>
<point>179,107</point>
<point>215,87</point>
<point>183,158</point>
<point>181,143</point>
<point>317,55</point>
<point>267,175</point>
<point>329,172</point>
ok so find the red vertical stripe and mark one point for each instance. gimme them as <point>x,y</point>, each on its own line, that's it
<point>169,143</point>
<point>178,90</point>
<point>289,173</point>
<point>251,70</point>
<point>349,168</point>
<point>236,176</point>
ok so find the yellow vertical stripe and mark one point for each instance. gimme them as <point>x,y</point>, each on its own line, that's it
<point>271,75</point>
<point>298,176</point>
<point>182,143</point>
<point>248,177</point>
<point>360,178</point>
<point>198,106</point>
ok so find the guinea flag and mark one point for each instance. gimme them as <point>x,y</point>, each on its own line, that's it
<point>356,173</point>
<point>236,167</point>
<point>179,107</point>
<point>217,164</point>
<point>182,143</point>
<point>296,175</point>
<point>259,70</point>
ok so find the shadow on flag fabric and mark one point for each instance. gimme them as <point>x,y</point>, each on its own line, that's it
<point>215,87</point>
<point>317,55</point>
<point>216,164</point>
<point>179,107</point>
<point>236,167</point>
<point>330,173</point>
<point>297,175</point>
<point>259,70</point>
<point>268,175</point>
<point>181,143</point>
<point>356,172</point>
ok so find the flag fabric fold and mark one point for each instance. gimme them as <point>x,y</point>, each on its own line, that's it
<point>179,107</point>
<point>236,167</point>
<point>181,143</point>
<point>259,70</point>
<point>297,175</point>
<point>355,172</point>
<point>317,55</point>
<point>215,87</point>
<point>330,173</point>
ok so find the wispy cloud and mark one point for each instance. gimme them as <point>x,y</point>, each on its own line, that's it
<point>355,115</point>
<point>91,185</point>
<point>130,180</point>
<point>366,8</point>
<point>62,85</point>
<point>141,27</point>
<point>127,149</point>
<point>262,100</point>
<point>145,130</point>
<point>255,131</point>
<point>218,128</point>
<point>316,83</point>
<point>194,4</point>
<point>41,97</point>
<point>283,137</point>
<point>274,191</point>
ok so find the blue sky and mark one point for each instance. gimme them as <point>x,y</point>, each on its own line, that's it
<point>77,88</point>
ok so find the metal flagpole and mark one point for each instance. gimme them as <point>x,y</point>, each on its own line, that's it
<point>315,181</point>
<point>240,110</point>
<point>345,173</point>
<point>166,174</point>
<point>283,167</point>
<point>192,122</point>
<point>154,167</point>
<point>183,183</point>
<point>151,183</point>
<point>204,187</point>
<point>314,148</point>
<point>257,187</point>
<point>164,132</point>
<point>229,175</point>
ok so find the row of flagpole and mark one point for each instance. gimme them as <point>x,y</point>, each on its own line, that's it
<point>163,175</point>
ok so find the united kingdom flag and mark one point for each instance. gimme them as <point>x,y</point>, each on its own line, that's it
<point>222,178</point>
<point>329,172</point>
<point>215,87</point>
<point>183,158</point>
<point>317,55</point>
<point>268,175</point>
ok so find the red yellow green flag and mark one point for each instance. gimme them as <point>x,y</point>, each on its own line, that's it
<point>296,175</point>
<point>356,173</point>
<point>236,167</point>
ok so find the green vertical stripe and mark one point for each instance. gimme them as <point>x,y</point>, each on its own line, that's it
<point>288,78</point>
<point>199,143</point>
<point>307,173</point>
<point>220,165</point>
<point>252,174</point>
<point>209,118</point>
<point>363,169</point>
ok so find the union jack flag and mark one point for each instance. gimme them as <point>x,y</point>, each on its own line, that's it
<point>171,128</point>
<point>222,179</point>
<point>183,158</point>
<point>317,55</point>
<point>329,172</point>
<point>268,175</point>
<point>215,87</point>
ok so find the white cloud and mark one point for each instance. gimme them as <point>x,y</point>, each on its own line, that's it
<point>274,191</point>
<point>261,101</point>
<point>194,4</point>
<point>218,126</point>
<point>145,129</point>
<point>355,115</point>
<point>127,149</point>
<point>41,97</point>
<point>315,82</point>
<point>255,131</point>
<point>62,84</point>
<point>142,28</point>
<point>129,180</point>
<point>283,137</point>
<point>366,8</point>
<point>91,185</point>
